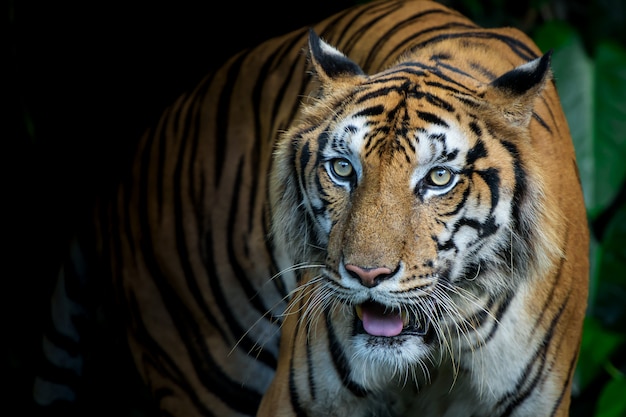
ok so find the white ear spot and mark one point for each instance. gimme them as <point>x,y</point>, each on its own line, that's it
<point>328,49</point>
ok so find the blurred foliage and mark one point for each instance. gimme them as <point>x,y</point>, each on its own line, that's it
<point>592,90</point>
<point>588,39</point>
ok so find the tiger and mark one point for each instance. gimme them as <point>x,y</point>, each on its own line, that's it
<point>376,215</point>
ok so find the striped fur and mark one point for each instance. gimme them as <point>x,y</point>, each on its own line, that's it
<point>428,172</point>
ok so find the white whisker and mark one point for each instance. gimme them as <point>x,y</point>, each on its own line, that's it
<point>283,299</point>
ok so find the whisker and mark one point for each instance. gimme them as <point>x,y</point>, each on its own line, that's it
<point>293,268</point>
<point>283,299</point>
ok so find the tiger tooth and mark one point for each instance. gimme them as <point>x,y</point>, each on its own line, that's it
<point>359,311</point>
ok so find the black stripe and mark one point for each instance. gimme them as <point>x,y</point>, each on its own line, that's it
<point>180,192</point>
<point>521,225</point>
<point>445,246</point>
<point>478,319</point>
<point>473,223</point>
<point>505,302</point>
<point>443,87</point>
<point>363,21</point>
<point>208,371</point>
<point>518,47</point>
<point>193,142</point>
<point>69,345</point>
<point>294,396</point>
<point>566,385</point>
<point>555,284</point>
<point>164,364</point>
<point>459,206</point>
<point>478,150</point>
<point>410,21</point>
<point>518,395</point>
<point>542,122</point>
<point>453,69</point>
<point>436,72</point>
<point>296,72</point>
<point>241,275</point>
<point>222,114</point>
<point>491,177</point>
<point>305,157</point>
<point>258,109</point>
<point>549,109</point>
<point>399,72</point>
<point>477,66</point>
<point>340,361</point>
<point>277,281</point>
<point>382,91</point>
<point>437,102</point>
<point>431,118</point>
<point>293,393</point>
<point>311,363</point>
<point>371,111</point>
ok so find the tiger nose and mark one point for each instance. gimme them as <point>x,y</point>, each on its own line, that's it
<point>369,277</point>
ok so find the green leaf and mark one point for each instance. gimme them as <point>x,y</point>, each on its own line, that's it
<point>612,401</point>
<point>554,35</point>
<point>610,122</point>
<point>592,95</point>
<point>597,346</point>
<point>609,300</point>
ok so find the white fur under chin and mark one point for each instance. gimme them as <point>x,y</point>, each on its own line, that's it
<point>377,363</point>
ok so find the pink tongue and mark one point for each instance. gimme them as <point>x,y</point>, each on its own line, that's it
<point>377,323</point>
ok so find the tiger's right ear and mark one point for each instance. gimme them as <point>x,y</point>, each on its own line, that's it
<point>330,65</point>
<point>513,94</point>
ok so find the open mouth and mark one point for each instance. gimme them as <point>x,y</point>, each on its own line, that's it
<point>379,320</point>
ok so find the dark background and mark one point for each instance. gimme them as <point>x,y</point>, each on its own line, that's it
<point>85,78</point>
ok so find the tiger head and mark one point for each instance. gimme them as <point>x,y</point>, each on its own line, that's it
<point>408,198</point>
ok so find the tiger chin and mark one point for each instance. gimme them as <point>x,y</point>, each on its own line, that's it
<point>435,215</point>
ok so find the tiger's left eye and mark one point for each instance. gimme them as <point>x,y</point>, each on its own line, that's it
<point>440,177</point>
<point>342,168</point>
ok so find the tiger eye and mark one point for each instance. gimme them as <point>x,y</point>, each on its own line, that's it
<point>342,167</point>
<point>440,177</point>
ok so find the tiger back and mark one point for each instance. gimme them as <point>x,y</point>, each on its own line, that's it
<point>379,216</point>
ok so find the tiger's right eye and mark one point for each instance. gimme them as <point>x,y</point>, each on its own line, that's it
<point>342,168</point>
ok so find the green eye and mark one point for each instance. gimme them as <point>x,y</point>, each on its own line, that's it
<point>440,177</point>
<point>342,168</point>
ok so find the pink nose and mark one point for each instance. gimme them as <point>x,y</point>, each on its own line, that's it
<point>369,277</point>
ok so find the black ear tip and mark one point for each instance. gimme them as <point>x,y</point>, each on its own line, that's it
<point>526,76</point>
<point>546,59</point>
<point>314,38</point>
<point>330,62</point>
<point>314,41</point>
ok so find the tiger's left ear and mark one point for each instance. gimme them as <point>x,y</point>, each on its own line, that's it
<point>514,93</point>
<point>329,65</point>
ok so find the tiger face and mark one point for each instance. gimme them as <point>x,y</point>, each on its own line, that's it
<point>406,195</point>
